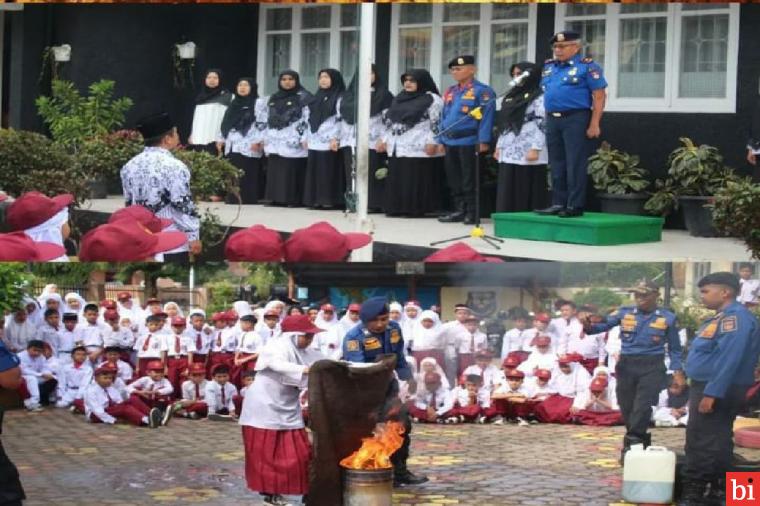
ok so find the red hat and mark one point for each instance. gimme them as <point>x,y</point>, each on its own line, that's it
<point>327,307</point>
<point>255,244</point>
<point>542,317</point>
<point>598,385</point>
<point>218,317</point>
<point>355,307</point>
<point>460,252</point>
<point>126,241</point>
<point>230,315</point>
<point>106,368</point>
<point>516,375</point>
<point>111,315</point>
<point>510,362</point>
<point>123,296</point>
<point>484,354</point>
<point>152,300</point>
<point>321,242</point>
<point>155,365</point>
<point>178,321</point>
<point>543,340</point>
<point>197,368</point>
<point>107,304</point>
<point>3,197</point>
<point>141,215</point>
<point>19,247</point>
<point>34,208</point>
<point>544,374</point>
<point>299,323</point>
<point>432,377</point>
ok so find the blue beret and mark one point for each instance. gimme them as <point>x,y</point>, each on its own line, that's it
<point>372,308</point>
<point>728,279</point>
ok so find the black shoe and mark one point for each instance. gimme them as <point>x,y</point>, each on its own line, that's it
<point>154,418</point>
<point>454,217</point>
<point>570,212</point>
<point>694,493</point>
<point>549,210</point>
<point>469,219</point>
<point>408,478</point>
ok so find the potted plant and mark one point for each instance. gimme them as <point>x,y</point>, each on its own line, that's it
<point>736,212</point>
<point>619,179</point>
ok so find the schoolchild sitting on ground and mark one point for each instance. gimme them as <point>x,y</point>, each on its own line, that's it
<point>471,401</point>
<point>542,387</point>
<point>511,400</point>
<point>596,405</point>
<point>112,355</point>
<point>247,381</point>
<point>39,381</point>
<point>193,404</point>
<point>569,379</point>
<point>104,403</point>
<point>92,332</point>
<point>541,358</point>
<point>219,395</point>
<point>434,403</point>
<point>71,379</point>
<point>115,335</point>
<point>672,408</point>
<point>179,354</point>
<point>483,368</point>
<point>154,389</point>
<point>428,365</point>
<point>150,345</point>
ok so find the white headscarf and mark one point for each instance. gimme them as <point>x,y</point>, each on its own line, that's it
<point>347,324</point>
<point>570,384</point>
<point>82,303</point>
<point>611,381</point>
<point>407,323</point>
<point>242,308</point>
<point>395,306</point>
<point>19,333</point>
<point>274,304</point>
<point>426,339</point>
<point>262,329</point>
<point>172,303</point>
<point>50,231</point>
<point>420,376</point>
<point>43,300</point>
<point>325,324</point>
<point>35,316</point>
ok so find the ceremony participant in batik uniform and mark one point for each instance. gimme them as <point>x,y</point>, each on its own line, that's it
<point>243,132</point>
<point>223,343</point>
<point>118,336</point>
<point>587,349</point>
<point>201,335</point>
<point>515,338</point>
<point>193,403</point>
<point>471,401</point>
<point>39,381</point>
<point>154,390</point>
<point>210,106</point>
<point>570,379</point>
<point>511,399</point>
<point>672,409</point>
<point>429,365</point>
<point>69,337</point>
<point>486,370</point>
<point>248,349</point>
<point>596,405</point>
<point>414,153</point>
<point>434,403</point>
<point>381,100</point>
<point>521,148</point>
<point>287,119</point>
<point>124,371</point>
<point>220,393</point>
<point>171,197</point>
<point>542,358</point>
<point>750,288</point>
<point>325,176</point>
<point>49,331</point>
<point>42,218</point>
<point>565,326</point>
<point>179,354</point>
<point>104,404</point>
<point>277,449</point>
<point>469,344</point>
<point>542,387</point>
<point>71,378</point>
<point>18,331</point>
<point>149,346</point>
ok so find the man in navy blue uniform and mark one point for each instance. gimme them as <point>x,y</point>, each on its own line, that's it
<point>721,363</point>
<point>574,97</point>
<point>11,491</point>
<point>469,138</point>
<point>366,342</point>
<point>645,330</point>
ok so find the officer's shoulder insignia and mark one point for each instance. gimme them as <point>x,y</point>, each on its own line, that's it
<point>352,345</point>
<point>728,324</point>
<point>485,97</point>
<point>395,336</point>
<point>587,60</point>
<point>550,60</point>
<point>615,312</point>
<point>709,331</point>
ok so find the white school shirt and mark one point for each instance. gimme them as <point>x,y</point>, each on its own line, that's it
<point>560,330</point>
<point>50,335</point>
<point>96,400</point>
<point>214,396</point>
<point>92,335</point>
<point>146,384</point>
<point>155,342</point>
<point>189,390</point>
<point>524,389</point>
<point>225,340</point>
<point>514,339</point>
<point>123,370</point>
<point>537,389</point>
<point>205,339</point>
<point>479,339</point>
<point>584,396</point>
<point>249,342</point>
<point>121,337</point>
<point>612,347</point>
<point>33,366</point>
<point>750,288</point>
<point>590,346</point>
<point>179,345</point>
<point>72,379</point>
<point>569,385</point>
<point>18,335</point>
<point>444,401</point>
<point>538,360</point>
<point>68,339</point>
<point>491,375</point>
<point>462,397</point>
<point>244,390</point>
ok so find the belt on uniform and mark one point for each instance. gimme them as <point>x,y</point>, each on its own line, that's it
<point>461,134</point>
<point>564,114</point>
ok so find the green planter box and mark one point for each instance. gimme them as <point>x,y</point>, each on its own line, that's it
<point>597,229</point>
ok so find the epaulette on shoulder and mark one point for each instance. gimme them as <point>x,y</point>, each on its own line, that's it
<point>550,60</point>
<point>587,60</point>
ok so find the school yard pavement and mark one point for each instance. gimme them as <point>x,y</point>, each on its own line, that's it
<point>65,461</point>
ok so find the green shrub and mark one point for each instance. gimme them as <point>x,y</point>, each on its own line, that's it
<point>210,175</point>
<point>736,212</point>
<point>105,155</point>
<point>617,172</point>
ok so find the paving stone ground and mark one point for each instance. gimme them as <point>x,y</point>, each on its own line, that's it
<point>65,461</point>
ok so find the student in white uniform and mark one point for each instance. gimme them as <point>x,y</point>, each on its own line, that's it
<point>750,288</point>
<point>672,408</point>
<point>124,371</point>
<point>565,326</point>
<point>154,390</point>
<point>74,303</point>
<point>471,401</point>
<point>69,337</point>
<point>224,342</point>
<point>515,338</point>
<point>49,332</point>
<point>248,349</point>
<point>596,405</point>
<point>116,335</point>
<point>19,330</point>
<point>435,404</point>
<point>39,379</point>
<point>510,399</point>
<point>220,393</point>
<point>325,342</point>
<point>453,333</point>
<point>588,348</point>
<point>427,338</point>
<point>210,106</point>
<point>429,365</point>
<point>542,358</point>
<point>542,387</point>
<point>201,334</point>
<point>179,353</point>
<point>92,331</point>
<point>569,379</point>
<point>72,378</point>
<point>483,367</point>
<point>469,344</point>
<point>103,403</point>
<point>193,403</point>
<point>150,345</point>
<point>409,319</point>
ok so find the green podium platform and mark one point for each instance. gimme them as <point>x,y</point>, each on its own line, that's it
<point>597,229</point>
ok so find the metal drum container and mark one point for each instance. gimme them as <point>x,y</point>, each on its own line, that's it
<point>367,487</point>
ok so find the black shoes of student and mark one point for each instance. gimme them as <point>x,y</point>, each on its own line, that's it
<point>570,212</point>
<point>407,477</point>
<point>549,211</point>
<point>154,418</point>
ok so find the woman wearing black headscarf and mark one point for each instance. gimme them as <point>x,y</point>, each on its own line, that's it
<point>381,100</point>
<point>210,106</point>
<point>243,132</point>
<point>753,146</point>
<point>287,120</point>
<point>414,153</point>
<point>521,148</point>
<point>325,179</point>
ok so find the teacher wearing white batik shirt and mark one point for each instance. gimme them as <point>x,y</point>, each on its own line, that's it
<point>210,106</point>
<point>158,181</point>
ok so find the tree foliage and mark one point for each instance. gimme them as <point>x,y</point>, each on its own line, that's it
<point>14,281</point>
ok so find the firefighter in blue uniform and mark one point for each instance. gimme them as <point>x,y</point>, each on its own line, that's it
<point>645,330</point>
<point>11,491</point>
<point>574,97</point>
<point>376,336</point>
<point>720,365</point>
<point>470,138</point>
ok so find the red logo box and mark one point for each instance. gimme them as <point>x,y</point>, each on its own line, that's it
<point>742,489</point>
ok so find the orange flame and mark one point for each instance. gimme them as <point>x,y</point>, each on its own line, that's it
<point>376,451</point>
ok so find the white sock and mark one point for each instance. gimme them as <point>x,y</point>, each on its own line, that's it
<point>145,420</point>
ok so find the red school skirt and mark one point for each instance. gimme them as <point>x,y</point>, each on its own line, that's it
<point>277,461</point>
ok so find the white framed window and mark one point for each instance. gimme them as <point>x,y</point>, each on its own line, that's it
<point>428,36</point>
<point>307,38</point>
<point>661,57</point>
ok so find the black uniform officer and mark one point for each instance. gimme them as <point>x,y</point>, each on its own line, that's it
<point>375,336</point>
<point>574,99</point>
<point>11,491</point>
<point>720,364</point>
<point>645,330</point>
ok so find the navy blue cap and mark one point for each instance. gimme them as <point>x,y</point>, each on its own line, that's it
<point>372,308</point>
<point>565,36</point>
<point>728,279</point>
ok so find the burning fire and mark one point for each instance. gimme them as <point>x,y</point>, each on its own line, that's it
<point>376,451</point>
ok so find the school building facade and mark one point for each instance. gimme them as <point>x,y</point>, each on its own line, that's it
<point>674,69</point>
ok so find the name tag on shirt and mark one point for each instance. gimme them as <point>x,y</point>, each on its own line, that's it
<point>660,324</point>
<point>372,343</point>
<point>628,324</point>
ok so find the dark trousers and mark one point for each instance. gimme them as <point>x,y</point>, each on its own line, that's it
<point>460,164</point>
<point>639,381</point>
<point>46,389</point>
<point>178,258</point>
<point>11,491</point>
<point>710,436</point>
<point>569,150</point>
<point>394,409</point>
